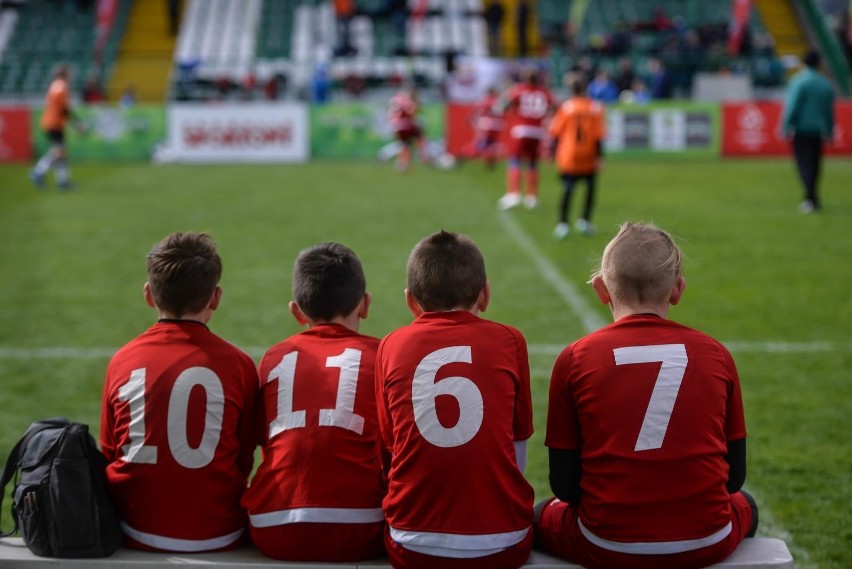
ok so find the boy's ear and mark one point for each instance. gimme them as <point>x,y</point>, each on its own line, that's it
<point>484,297</point>
<point>149,296</point>
<point>415,308</point>
<point>364,306</point>
<point>298,314</point>
<point>677,290</point>
<point>601,290</point>
<point>216,298</point>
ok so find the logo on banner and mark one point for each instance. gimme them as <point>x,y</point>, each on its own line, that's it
<point>751,127</point>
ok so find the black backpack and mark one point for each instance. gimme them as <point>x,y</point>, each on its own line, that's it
<point>60,502</point>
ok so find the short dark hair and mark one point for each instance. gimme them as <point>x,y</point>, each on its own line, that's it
<point>183,271</point>
<point>445,271</point>
<point>812,58</point>
<point>328,281</point>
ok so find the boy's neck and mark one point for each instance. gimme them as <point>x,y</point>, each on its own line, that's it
<point>623,311</point>
<point>351,321</point>
<point>202,317</point>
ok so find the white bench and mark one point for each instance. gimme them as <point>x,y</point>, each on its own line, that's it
<point>756,553</point>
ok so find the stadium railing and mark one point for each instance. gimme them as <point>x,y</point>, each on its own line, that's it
<point>755,553</point>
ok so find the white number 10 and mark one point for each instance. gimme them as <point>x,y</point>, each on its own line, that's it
<point>664,395</point>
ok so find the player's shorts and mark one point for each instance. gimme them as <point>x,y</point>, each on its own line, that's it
<point>56,136</point>
<point>558,530</point>
<point>408,135</point>
<point>510,558</point>
<point>525,149</point>
<point>333,543</point>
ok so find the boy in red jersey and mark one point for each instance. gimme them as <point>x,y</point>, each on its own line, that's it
<point>529,104</point>
<point>488,126</point>
<point>645,427</point>
<point>453,394</point>
<point>317,495</point>
<point>177,415</point>
<point>578,129</point>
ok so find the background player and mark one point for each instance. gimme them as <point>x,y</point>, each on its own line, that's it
<point>317,495</point>
<point>453,393</point>
<point>177,415</point>
<point>645,427</point>
<point>528,104</point>
<point>578,131</point>
<point>57,111</point>
<point>403,111</point>
<point>488,125</point>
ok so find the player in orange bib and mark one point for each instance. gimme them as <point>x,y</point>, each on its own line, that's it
<point>578,130</point>
<point>57,110</point>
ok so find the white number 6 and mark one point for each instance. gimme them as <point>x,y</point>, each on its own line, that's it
<point>661,404</point>
<point>424,391</point>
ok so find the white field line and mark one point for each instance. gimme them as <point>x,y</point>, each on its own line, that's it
<point>551,350</point>
<point>590,319</point>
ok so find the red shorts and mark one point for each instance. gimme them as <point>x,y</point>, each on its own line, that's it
<point>320,541</point>
<point>408,135</point>
<point>511,558</point>
<point>525,148</point>
<point>559,532</point>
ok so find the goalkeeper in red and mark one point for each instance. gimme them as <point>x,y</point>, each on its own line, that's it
<point>645,427</point>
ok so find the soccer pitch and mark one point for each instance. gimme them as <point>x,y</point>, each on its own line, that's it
<point>771,284</point>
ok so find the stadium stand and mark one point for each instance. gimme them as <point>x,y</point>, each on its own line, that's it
<point>41,33</point>
<point>755,553</point>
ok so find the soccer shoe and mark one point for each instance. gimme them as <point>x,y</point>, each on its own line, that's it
<point>37,179</point>
<point>561,231</point>
<point>806,207</point>
<point>530,202</point>
<point>509,201</point>
<point>584,226</point>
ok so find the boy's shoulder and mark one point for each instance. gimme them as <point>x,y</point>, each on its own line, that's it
<point>647,330</point>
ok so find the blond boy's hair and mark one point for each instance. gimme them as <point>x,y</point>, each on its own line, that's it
<point>640,264</point>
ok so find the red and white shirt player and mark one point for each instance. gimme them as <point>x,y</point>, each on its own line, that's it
<point>453,395</point>
<point>402,115</point>
<point>177,426</point>
<point>528,106</point>
<point>651,404</point>
<point>318,493</point>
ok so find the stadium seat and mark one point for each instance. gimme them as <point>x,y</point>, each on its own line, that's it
<point>756,553</point>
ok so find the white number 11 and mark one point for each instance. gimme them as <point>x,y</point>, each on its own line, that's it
<point>664,395</point>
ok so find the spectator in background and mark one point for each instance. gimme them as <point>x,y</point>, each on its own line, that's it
<point>661,80</point>
<point>173,11</point>
<point>638,93</point>
<point>602,88</point>
<point>522,17</point>
<point>92,90</point>
<point>494,14</point>
<point>808,121</point>
<point>625,76</point>
<point>128,97</point>
<point>343,12</point>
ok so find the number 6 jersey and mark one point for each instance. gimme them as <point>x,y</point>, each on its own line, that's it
<point>177,426</point>
<point>453,392</point>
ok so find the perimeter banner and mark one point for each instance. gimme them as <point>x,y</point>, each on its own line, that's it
<point>109,132</point>
<point>15,138</point>
<point>683,129</point>
<point>754,129</point>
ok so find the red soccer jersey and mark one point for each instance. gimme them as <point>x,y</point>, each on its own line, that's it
<point>652,405</point>
<point>453,394</point>
<point>487,119</point>
<point>402,112</point>
<point>529,106</point>
<point>321,460</point>
<point>177,426</point>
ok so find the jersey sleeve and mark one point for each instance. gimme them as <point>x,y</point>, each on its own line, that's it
<point>734,414</point>
<point>248,418</point>
<point>382,412</point>
<point>107,421</point>
<point>563,428</point>
<point>523,421</point>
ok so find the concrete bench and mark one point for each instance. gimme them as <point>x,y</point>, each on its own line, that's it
<point>756,553</point>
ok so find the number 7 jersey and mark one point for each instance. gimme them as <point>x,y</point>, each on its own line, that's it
<point>651,404</point>
<point>453,394</point>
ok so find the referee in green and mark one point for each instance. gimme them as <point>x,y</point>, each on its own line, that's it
<point>809,121</point>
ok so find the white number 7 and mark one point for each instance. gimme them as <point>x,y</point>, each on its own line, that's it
<point>661,404</point>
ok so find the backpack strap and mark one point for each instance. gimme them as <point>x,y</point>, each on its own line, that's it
<point>14,460</point>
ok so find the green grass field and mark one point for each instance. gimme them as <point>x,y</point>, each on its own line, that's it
<point>774,285</point>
